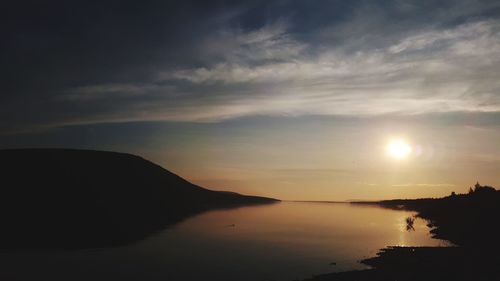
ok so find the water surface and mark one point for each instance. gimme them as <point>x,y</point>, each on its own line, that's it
<point>283,241</point>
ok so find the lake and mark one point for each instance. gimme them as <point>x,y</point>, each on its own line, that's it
<point>283,241</point>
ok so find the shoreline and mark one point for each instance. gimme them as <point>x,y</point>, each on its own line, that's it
<point>466,220</point>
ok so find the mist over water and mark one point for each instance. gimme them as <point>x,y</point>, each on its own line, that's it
<point>283,241</point>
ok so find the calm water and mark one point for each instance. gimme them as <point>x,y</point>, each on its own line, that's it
<point>284,241</point>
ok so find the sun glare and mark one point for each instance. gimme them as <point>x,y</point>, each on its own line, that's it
<point>399,149</point>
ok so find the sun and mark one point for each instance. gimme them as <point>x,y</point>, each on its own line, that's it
<point>399,149</point>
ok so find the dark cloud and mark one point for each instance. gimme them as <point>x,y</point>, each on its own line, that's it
<point>84,62</point>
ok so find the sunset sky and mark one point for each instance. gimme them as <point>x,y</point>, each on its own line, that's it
<point>295,100</point>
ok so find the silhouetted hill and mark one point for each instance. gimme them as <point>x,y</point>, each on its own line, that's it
<point>60,198</point>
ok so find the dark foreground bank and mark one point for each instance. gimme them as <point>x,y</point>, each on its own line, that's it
<point>59,198</point>
<point>470,221</point>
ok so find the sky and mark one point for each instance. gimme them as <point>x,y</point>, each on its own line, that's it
<point>296,100</point>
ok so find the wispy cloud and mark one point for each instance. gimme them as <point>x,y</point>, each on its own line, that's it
<point>268,72</point>
<point>366,63</point>
<point>424,185</point>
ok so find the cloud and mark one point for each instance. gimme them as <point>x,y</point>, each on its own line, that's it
<point>110,91</point>
<point>206,64</point>
<point>424,185</point>
<point>448,70</point>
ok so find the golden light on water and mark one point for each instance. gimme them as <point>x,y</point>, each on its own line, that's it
<point>399,148</point>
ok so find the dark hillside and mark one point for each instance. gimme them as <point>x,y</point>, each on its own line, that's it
<point>58,198</point>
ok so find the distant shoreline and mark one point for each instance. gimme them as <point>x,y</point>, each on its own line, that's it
<point>312,201</point>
